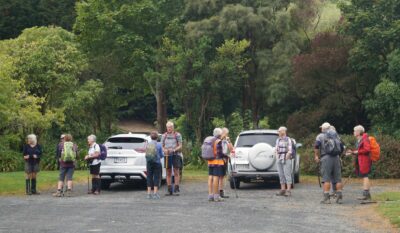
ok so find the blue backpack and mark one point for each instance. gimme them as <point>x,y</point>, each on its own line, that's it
<point>103,152</point>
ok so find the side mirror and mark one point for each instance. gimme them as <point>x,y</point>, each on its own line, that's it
<point>298,145</point>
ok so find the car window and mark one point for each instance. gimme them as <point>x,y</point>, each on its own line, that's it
<point>126,143</point>
<point>249,140</point>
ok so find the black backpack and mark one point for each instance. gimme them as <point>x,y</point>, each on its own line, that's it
<point>331,144</point>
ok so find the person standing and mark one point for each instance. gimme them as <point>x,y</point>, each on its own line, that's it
<point>216,168</point>
<point>283,147</point>
<point>154,154</point>
<point>94,164</point>
<point>32,152</point>
<point>227,148</point>
<point>67,160</point>
<point>327,150</point>
<point>172,145</point>
<point>363,161</point>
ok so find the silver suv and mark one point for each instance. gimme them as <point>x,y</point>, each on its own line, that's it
<point>126,160</point>
<point>254,158</point>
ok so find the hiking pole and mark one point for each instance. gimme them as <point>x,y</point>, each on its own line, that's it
<point>233,179</point>
<point>319,173</point>
<point>88,188</point>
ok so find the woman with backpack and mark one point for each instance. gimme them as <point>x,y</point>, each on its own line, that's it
<point>154,154</point>
<point>94,161</point>
<point>68,155</point>
<point>32,152</point>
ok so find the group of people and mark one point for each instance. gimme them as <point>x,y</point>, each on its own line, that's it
<point>328,149</point>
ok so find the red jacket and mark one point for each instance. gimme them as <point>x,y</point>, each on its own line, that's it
<point>364,147</point>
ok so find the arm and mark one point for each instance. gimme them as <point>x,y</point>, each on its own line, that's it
<point>160,151</point>
<point>317,151</point>
<point>179,142</point>
<point>290,145</point>
<point>39,152</point>
<point>25,153</point>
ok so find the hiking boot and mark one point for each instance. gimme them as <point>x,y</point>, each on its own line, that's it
<point>28,187</point>
<point>57,194</point>
<point>149,196</point>
<point>169,189</point>
<point>288,193</point>
<point>365,197</point>
<point>222,194</point>
<point>68,193</point>
<point>156,196</point>
<point>326,199</point>
<point>281,193</point>
<point>176,189</point>
<point>339,197</point>
<point>33,187</point>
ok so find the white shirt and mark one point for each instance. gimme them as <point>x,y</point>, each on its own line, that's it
<point>92,149</point>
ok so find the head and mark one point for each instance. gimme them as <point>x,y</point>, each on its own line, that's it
<point>282,131</point>
<point>225,132</point>
<point>68,138</point>
<point>332,128</point>
<point>154,135</point>
<point>170,127</point>
<point>325,127</point>
<point>62,137</point>
<point>358,131</point>
<point>32,139</point>
<point>217,132</point>
<point>91,139</point>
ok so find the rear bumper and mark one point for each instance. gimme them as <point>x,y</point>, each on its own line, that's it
<point>122,173</point>
<point>253,175</point>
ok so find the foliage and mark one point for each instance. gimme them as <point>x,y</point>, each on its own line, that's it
<point>390,206</point>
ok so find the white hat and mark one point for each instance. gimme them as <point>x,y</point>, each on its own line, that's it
<point>325,125</point>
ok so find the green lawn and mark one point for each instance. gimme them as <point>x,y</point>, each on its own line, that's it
<point>389,206</point>
<point>13,183</point>
<point>193,174</point>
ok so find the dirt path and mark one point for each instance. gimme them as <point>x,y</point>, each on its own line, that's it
<point>125,209</point>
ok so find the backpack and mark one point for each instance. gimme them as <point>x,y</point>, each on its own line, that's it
<point>208,149</point>
<point>225,148</point>
<point>68,154</point>
<point>331,144</point>
<point>294,149</point>
<point>375,149</point>
<point>151,152</point>
<point>103,152</point>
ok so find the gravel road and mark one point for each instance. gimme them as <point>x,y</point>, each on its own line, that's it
<point>125,209</point>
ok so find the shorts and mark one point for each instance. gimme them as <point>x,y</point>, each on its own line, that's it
<point>331,170</point>
<point>216,171</point>
<point>175,160</point>
<point>66,172</point>
<point>32,167</point>
<point>225,168</point>
<point>364,166</point>
<point>95,169</point>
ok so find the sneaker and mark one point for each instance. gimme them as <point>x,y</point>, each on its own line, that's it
<point>149,196</point>
<point>57,194</point>
<point>281,193</point>
<point>156,196</point>
<point>326,199</point>
<point>288,194</point>
<point>169,190</point>
<point>339,197</point>
<point>68,193</point>
<point>210,198</point>
<point>176,189</point>
<point>96,193</point>
<point>218,199</point>
<point>222,194</point>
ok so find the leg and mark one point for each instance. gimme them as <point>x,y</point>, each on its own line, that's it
<point>156,180</point>
<point>33,182</point>
<point>366,183</point>
<point>326,172</point>
<point>215,180</point>
<point>288,175</point>
<point>177,175</point>
<point>282,180</point>
<point>28,183</point>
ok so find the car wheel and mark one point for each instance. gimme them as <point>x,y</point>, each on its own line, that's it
<point>105,184</point>
<point>297,178</point>
<point>234,183</point>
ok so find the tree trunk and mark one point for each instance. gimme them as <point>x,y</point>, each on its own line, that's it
<point>161,107</point>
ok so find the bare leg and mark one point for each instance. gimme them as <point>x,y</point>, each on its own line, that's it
<point>169,174</point>
<point>60,185</point>
<point>69,184</point>
<point>176,176</point>
<point>215,185</point>
<point>366,183</point>
<point>210,185</point>
<point>221,183</point>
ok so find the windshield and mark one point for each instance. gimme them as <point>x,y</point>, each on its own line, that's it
<point>126,143</point>
<point>249,140</point>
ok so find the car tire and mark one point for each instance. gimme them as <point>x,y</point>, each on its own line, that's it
<point>105,184</point>
<point>297,178</point>
<point>234,182</point>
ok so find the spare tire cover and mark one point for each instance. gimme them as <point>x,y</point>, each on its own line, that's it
<point>261,156</point>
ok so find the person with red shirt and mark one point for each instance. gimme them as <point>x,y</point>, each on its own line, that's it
<point>363,161</point>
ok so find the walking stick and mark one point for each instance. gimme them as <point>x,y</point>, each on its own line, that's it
<point>233,179</point>
<point>88,188</point>
<point>319,174</point>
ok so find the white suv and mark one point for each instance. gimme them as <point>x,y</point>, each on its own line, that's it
<point>254,158</point>
<point>126,160</point>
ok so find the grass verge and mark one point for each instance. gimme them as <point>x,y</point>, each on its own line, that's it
<point>389,206</point>
<point>13,183</point>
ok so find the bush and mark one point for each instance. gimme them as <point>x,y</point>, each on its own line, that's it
<point>386,167</point>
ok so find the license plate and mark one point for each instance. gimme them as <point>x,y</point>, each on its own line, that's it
<point>120,160</point>
<point>242,166</point>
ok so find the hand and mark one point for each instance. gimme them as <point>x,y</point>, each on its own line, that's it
<point>288,156</point>
<point>316,158</point>
<point>349,152</point>
<point>26,157</point>
<point>35,156</point>
<point>86,157</point>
